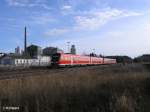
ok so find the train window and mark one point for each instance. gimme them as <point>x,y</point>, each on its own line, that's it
<point>74,59</point>
<point>67,58</point>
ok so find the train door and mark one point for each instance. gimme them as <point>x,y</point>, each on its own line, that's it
<point>71,57</point>
<point>90,60</point>
<point>103,60</point>
<point>55,59</point>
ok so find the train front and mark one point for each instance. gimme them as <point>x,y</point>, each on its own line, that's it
<point>55,59</point>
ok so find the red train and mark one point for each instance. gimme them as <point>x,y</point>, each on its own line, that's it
<point>61,59</point>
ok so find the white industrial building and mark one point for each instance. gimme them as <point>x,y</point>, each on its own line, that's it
<point>1,54</point>
<point>19,61</point>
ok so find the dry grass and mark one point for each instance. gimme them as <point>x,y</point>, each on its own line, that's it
<point>90,89</point>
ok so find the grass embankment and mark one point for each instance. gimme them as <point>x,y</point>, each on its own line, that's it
<point>88,89</point>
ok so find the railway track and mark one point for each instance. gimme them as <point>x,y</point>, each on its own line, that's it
<point>27,73</point>
<point>22,73</point>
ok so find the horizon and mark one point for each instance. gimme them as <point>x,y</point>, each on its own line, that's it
<point>110,27</point>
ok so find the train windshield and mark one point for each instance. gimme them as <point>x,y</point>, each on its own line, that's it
<point>55,57</point>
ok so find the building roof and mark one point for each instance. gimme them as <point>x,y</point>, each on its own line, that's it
<point>32,45</point>
<point>50,48</point>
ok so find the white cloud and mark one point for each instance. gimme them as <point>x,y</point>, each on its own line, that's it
<point>56,32</point>
<point>125,42</point>
<point>147,27</point>
<point>115,33</point>
<point>42,19</point>
<point>66,7</point>
<point>132,40</point>
<point>45,6</point>
<point>21,3</point>
<point>67,10</point>
<point>28,3</point>
<point>95,19</point>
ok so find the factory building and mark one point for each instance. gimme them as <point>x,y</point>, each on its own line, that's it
<point>17,50</point>
<point>143,58</point>
<point>32,55</point>
<point>34,51</point>
<point>49,51</point>
<point>11,60</point>
<point>73,49</point>
<point>1,54</point>
<point>21,61</point>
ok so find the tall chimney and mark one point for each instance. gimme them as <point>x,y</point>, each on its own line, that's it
<point>25,41</point>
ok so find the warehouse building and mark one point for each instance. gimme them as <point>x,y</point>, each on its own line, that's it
<point>21,61</point>
<point>2,54</point>
<point>143,58</point>
<point>34,51</point>
<point>17,50</point>
<point>49,51</point>
<point>73,49</point>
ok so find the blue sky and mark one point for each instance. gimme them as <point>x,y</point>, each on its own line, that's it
<point>111,27</point>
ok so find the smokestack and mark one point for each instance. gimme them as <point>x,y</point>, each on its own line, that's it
<point>25,41</point>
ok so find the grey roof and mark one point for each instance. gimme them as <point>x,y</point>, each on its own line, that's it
<point>32,45</point>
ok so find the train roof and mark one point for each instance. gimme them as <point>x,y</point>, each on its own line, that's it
<point>77,55</point>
